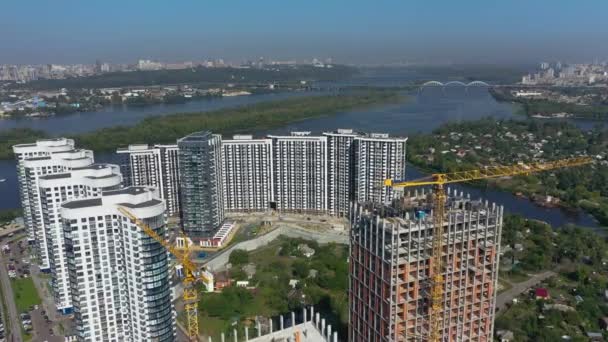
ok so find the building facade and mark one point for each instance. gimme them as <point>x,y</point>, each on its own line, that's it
<point>41,148</point>
<point>389,270</point>
<point>377,157</point>
<point>144,165</point>
<point>119,276</point>
<point>340,170</point>
<point>34,168</point>
<point>201,186</point>
<point>300,172</point>
<point>55,189</point>
<point>247,173</point>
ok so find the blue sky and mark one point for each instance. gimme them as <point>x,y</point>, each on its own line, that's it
<point>353,31</point>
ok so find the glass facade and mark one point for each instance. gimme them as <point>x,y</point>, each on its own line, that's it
<point>201,183</point>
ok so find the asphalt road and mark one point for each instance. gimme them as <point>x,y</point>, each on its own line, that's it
<point>518,288</point>
<point>13,318</point>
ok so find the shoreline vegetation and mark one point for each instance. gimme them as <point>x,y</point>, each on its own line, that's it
<point>471,145</point>
<point>250,118</point>
<point>547,109</point>
<point>198,76</point>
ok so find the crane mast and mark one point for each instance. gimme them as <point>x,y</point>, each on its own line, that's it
<point>190,295</point>
<point>438,181</point>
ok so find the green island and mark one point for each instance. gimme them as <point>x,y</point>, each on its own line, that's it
<point>198,76</point>
<point>473,145</point>
<point>322,280</point>
<point>250,118</point>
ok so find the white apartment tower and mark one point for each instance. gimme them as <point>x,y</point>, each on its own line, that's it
<point>144,165</point>
<point>55,189</point>
<point>340,170</point>
<point>40,148</point>
<point>300,172</point>
<point>33,168</point>
<point>377,157</point>
<point>247,173</point>
<point>119,276</point>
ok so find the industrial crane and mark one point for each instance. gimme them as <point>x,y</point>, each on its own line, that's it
<point>438,180</point>
<point>191,274</point>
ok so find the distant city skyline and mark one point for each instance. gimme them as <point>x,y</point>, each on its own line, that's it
<point>356,32</point>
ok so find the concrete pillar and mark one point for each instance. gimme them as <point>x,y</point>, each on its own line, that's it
<point>246,334</point>
<point>323,327</point>
<point>312,313</point>
<point>293,319</point>
<point>236,337</point>
<point>270,325</point>
<point>223,338</point>
<point>281,321</point>
<point>328,332</point>
<point>317,320</point>
<point>335,339</point>
<point>304,315</point>
<point>209,339</point>
<point>259,329</point>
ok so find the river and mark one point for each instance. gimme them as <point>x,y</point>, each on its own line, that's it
<point>423,112</point>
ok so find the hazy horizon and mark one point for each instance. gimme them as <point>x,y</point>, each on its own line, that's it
<point>356,32</point>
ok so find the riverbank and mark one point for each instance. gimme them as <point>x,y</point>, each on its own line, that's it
<point>473,145</point>
<point>249,118</point>
<point>551,108</point>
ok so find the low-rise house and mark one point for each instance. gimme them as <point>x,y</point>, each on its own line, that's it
<point>595,336</point>
<point>541,293</point>
<point>505,335</point>
<point>604,323</point>
<point>305,250</point>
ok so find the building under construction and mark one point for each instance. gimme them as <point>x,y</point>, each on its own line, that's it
<point>390,280</point>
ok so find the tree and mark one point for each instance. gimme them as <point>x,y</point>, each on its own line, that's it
<point>300,269</point>
<point>238,257</point>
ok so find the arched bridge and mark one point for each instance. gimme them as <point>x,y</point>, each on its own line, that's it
<point>455,83</point>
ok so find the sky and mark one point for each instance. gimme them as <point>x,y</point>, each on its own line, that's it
<point>349,31</point>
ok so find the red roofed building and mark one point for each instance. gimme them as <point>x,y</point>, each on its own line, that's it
<point>541,293</point>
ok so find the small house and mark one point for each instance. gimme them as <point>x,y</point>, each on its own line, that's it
<point>604,323</point>
<point>541,293</point>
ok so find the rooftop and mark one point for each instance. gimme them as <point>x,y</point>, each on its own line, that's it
<point>197,136</point>
<point>142,204</point>
<point>56,176</point>
<point>91,202</point>
<point>132,190</point>
<point>96,166</point>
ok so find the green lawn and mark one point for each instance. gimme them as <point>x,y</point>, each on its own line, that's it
<point>277,263</point>
<point>26,294</point>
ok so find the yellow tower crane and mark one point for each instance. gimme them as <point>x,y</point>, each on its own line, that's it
<point>191,274</point>
<point>438,180</point>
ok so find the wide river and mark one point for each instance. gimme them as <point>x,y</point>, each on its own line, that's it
<point>423,112</point>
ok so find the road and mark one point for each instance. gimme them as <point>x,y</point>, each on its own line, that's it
<point>518,288</point>
<point>13,318</point>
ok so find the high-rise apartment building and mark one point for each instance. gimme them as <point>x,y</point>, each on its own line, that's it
<point>144,165</point>
<point>340,170</point>
<point>55,189</point>
<point>200,164</point>
<point>119,276</point>
<point>377,157</point>
<point>389,280</point>
<point>32,169</point>
<point>247,173</point>
<point>40,148</point>
<point>300,172</point>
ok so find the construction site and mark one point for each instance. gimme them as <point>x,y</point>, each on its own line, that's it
<point>391,260</point>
